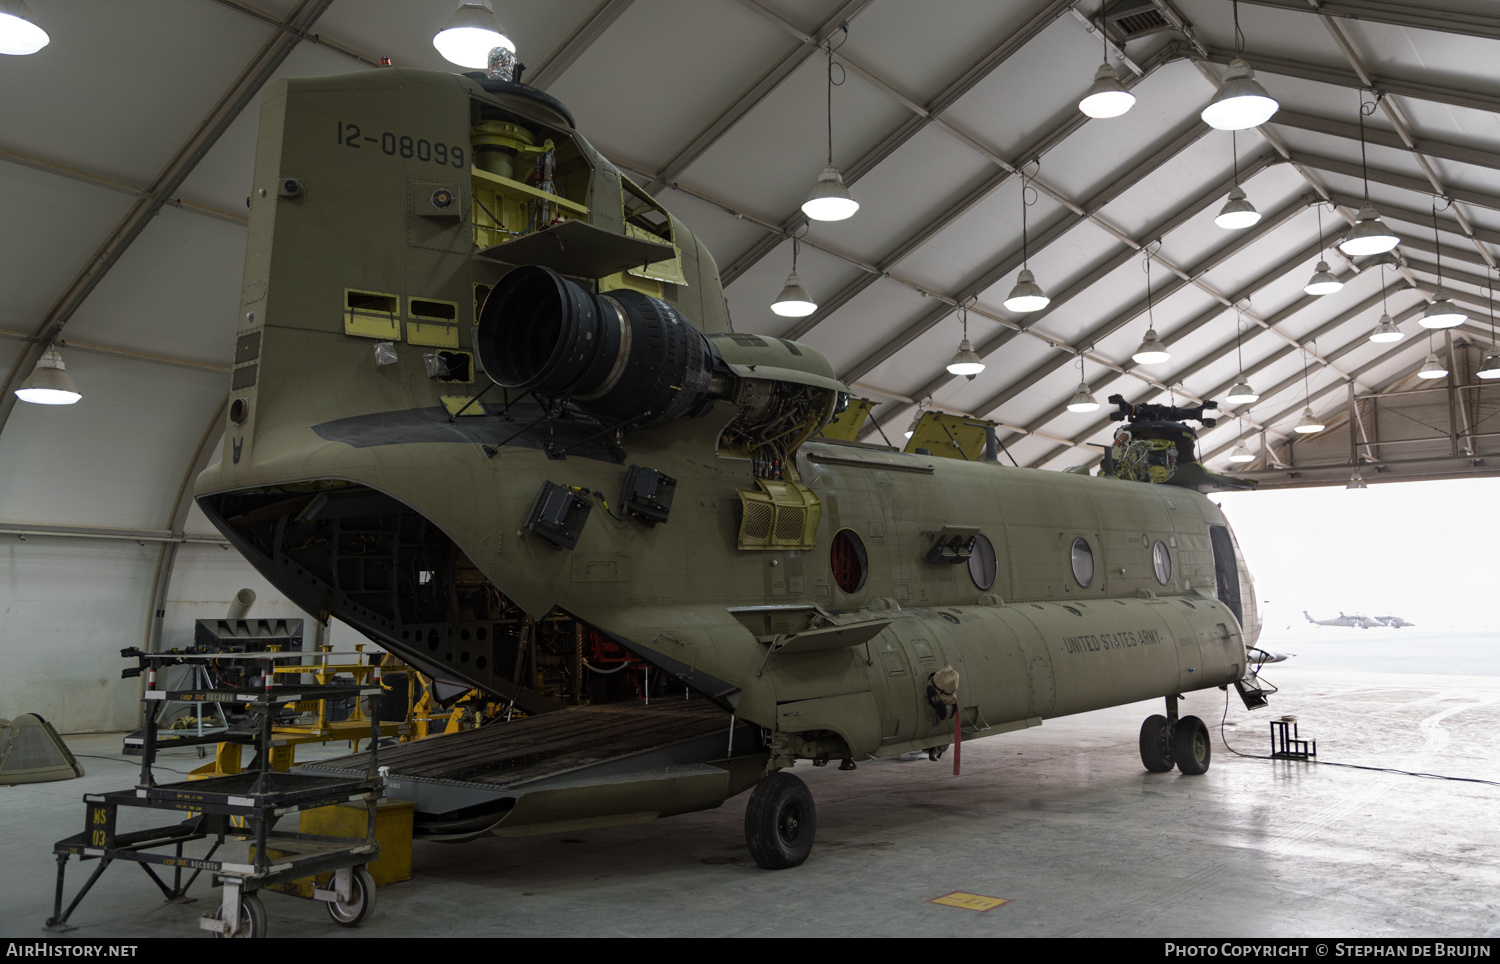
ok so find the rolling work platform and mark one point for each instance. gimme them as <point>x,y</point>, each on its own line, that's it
<point>544,774</point>
<point>236,813</point>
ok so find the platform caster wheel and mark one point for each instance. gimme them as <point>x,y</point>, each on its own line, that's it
<point>361,901</point>
<point>780,822</point>
<point>1191,747</point>
<point>252,917</point>
<point>1156,744</point>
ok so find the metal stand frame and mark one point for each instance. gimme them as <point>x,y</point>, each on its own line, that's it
<point>243,805</point>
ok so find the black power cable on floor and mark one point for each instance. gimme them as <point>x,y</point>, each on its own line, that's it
<point>1351,766</point>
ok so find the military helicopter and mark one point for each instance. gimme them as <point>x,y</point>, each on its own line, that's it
<point>488,408</point>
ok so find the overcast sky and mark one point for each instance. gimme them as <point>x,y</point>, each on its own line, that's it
<point>1424,551</point>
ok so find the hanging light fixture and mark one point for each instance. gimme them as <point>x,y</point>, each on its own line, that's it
<point>1107,97</point>
<point>1027,295</point>
<point>1237,212</point>
<point>48,383</point>
<point>1151,350</point>
<point>1241,451</point>
<point>1369,234</point>
<point>1240,102</point>
<point>1356,481</point>
<point>1442,313</point>
<point>1491,367</point>
<point>916,419</point>
<point>469,36</point>
<point>1309,423</point>
<point>1083,400</point>
<point>19,34</point>
<point>1240,393</point>
<point>830,200</point>
<point>966,361</point>
<point>1323,281</point>
<point>1431,367</point>
<point>794,301</point>
<point>1385,330</point>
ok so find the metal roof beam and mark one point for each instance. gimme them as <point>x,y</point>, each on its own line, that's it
<point>579,41</point>
<point>1048,12</point>
<point>970,201</point>
<point>1130,314</point>
<point>1392,179</point>
<point>1343,77</point>
<point>1421,17</point>
<point>261,68</point>
<point>757,91</point>
<point>1283,386</point>
<point>1193,131</point>
<point>1413,216</point>
<point>1133,247</point>
<point>1340,386</point>
<point>1296,120</point>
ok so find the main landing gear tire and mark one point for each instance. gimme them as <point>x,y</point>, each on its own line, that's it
<point>780,822</point>
<point>1191,747</point>
<point>1156,744</point>
<point>252,917</point>
<point>361,901</point>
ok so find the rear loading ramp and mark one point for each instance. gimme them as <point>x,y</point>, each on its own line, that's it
<point>575,769</point>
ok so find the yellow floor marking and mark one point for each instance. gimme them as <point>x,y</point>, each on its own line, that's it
<point>969,901</point>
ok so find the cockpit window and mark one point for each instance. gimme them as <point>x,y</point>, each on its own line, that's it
<point>1161,559</point>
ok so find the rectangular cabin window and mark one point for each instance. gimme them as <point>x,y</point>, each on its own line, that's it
<point>1226,571</point>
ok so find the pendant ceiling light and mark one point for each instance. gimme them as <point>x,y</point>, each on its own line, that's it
<point>1431,367</point>
<point>19,34</point>
<point>1356,481</point>
<point>1151,350</point>
<point>1107,97</point>
<point>1309,423</point>
<point>48,383</point>
<point>1323,281</point>
<point>1369,234</point>
<point>1240,102</point>
<point>469,36</point>
<point>1027,295</point>
<point>1240,393</point>
<point>1386,330</point>
<point>1237,212</point>
<point>1491,367</point>
<point>1242,451</point>
<point>830,200</point>
<point>794,301</point>
<point>966,361</point>
<point>1442,313</point>
<point>1083,400</point>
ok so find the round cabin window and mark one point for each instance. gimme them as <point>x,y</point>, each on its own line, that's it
<point>1161,559</point>
<point>849,561</point>
<point>982,564</point>
<point>1083,562</point>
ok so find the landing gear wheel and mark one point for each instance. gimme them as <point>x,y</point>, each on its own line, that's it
<point>252,917</point>
<point>1156,744</point>
<point>1191,746</point>
<point>361,901</point>
<point>780,822</point>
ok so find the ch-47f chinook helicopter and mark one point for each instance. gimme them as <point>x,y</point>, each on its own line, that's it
<point>487,407</point>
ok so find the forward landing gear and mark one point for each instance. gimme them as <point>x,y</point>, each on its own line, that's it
<point>780,822</point>
<point>1167,741</point>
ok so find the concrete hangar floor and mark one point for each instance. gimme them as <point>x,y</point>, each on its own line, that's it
<point>1060,820</point>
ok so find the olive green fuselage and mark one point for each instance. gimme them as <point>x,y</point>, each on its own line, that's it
<point>317,423</point>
